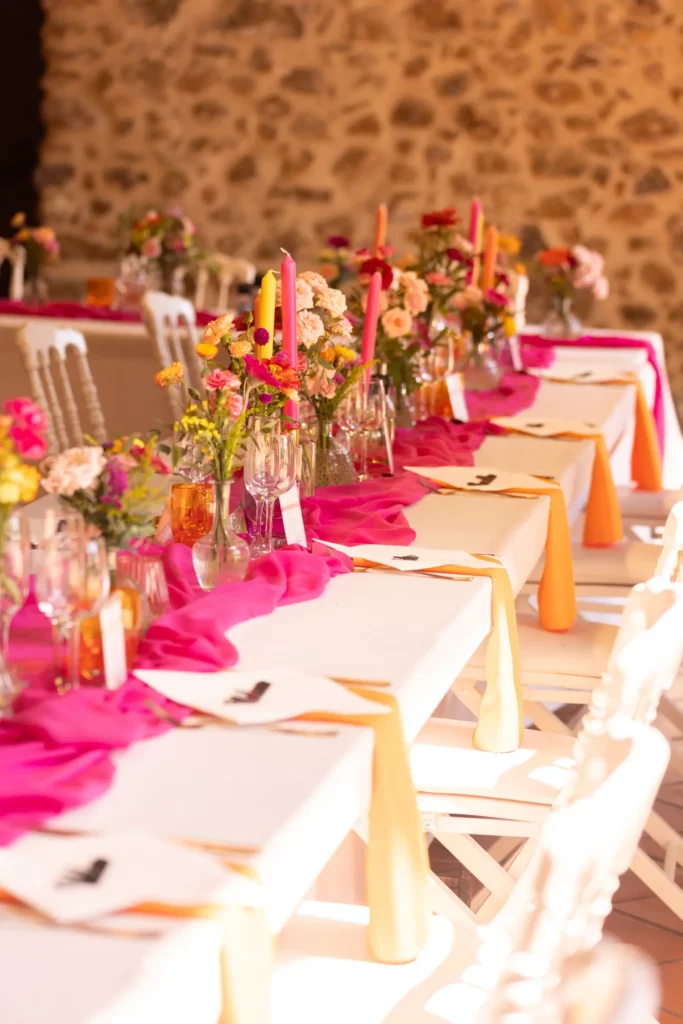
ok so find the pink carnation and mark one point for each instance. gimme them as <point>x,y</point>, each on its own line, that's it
<point>438,279</point>
<point>218,380</point>
<point>234,404</point>
<point>28,428</point>
<point>496,298</point>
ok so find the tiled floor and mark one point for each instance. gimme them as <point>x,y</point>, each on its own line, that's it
<point>637,917</point>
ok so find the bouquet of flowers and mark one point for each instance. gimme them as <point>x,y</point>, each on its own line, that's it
<point>40,244</point>
<point>238,388</point>
<point>22,437</point>
<point>166,242</point>
<point>114,486</point>
<point>336,261</point>
<point>484,314</point>
<point>443,259</point>
<point>571,269</point>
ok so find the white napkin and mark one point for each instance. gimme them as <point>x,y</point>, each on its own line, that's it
<point>287,695</point>
<point>477,478</point>
<point>540,426</point>
<point>81,878</point>
<point>408,559</point>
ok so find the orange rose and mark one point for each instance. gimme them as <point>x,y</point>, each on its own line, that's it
<point>556,257</point>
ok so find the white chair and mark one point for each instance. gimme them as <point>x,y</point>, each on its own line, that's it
<point>171,323</point>
<point>517,969</point>
<point>224,270</point>
<point>41,345</point>
<point>16,255</point>
<point>565,668</point>
<point>464,792</point>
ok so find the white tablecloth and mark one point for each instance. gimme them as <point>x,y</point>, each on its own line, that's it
<point>294,799</point>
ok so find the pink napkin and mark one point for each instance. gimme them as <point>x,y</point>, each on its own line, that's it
<point>617,341</point>
<point>515,393</point>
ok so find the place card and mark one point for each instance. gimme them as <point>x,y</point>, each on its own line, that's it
<point>516,353</point>
<point>292,518</point>
<point>80,878</point>
<point>258,696</point>
<point>456,394</point>
<point>412,559</point>
<point>113,642</point>
<point>479,478</point>
<point>545,427</point>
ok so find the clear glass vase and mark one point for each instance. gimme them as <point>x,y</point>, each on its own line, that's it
<point>562,322</point>
<point>35,290</point>
<point>404,406</point>
<point>221,556</point>
<point>482,370</point>
<point>133,612</point>
<point>333,464</point>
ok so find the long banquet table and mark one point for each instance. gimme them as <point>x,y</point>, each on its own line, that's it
<point>288,799</point>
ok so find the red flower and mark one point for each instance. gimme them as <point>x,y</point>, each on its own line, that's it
<point>440,218</point>
<point>560,256</point>
<point>458,256</point>
<point>369,267</point>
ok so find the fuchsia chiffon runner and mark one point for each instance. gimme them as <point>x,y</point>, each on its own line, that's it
<point>615,341</point>
<point>79,311</point>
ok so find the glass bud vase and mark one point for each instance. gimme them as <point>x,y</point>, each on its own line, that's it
<point>90,651</point>
<point>221,556</point>
<point>35,290</point>
<point>333,464</point>
<point>562,322</point>
<point>482,370</point>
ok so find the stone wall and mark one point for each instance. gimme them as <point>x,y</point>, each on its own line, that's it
<point>277,123</point>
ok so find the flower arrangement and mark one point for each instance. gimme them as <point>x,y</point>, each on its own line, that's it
<point>443,259</point>
<point>114,486</point>
<point>23,425</point>
<point>238,388</point>
<point>571,269</point>
<point>165,241</point>
<point>336,261</point>
<point>40,243</point>
<point>484,314</point>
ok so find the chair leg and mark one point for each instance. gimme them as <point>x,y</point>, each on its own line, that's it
<point>444,901</point>
<point>657,882</point>
<point>489,907</point>
<point>544,719</point>
<point>477,860</point>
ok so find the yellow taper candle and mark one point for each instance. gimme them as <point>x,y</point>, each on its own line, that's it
<point>265,313</point>
<point>488,275</point>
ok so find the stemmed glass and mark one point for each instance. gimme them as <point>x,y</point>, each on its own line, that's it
<point>269,471</point>
<point>365,411</point>
<point>15,570</point>
<point>189,459</point>
<point>72,582</point>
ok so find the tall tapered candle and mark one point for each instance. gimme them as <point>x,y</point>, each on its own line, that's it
<point>380,229</point>
<point>367,345</point>
<point>289,340</point>
<point>475,236</point>
<point>264,313</point>
<point>488,274</point>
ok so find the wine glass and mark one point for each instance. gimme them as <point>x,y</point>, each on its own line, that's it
<point>189,458</point>
<point>15,570</point>
<point>72,582</point>
<point>365,412</point>
<point>269,471</point>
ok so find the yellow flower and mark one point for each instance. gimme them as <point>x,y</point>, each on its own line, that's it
<point>217,329</point>
<point>346,355</point>
<point>29,482</point>
<point>207,351</point>
<point>509,244</point>
<point>406,261</point>
<point>10,493</point>
<point>240,348</point>
<point>509,326</point>
<point>520,268</point>
<point>172,374</point>
<point>18,220</point>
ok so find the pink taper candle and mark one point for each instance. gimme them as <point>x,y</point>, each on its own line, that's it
<point>474,236</point>
<point>289,340</point>
<point>367,346</point>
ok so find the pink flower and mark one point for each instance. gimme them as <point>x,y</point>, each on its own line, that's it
<point>178,245</point>
<point>496,298</point>
<point>234,404</point>
<point>28,427</point>
<point>438,279</point>
<point>26,411</point>
<point>151,248</point>
<point>309,328</point>
<point>589,266</point>
<point>27,443</point>
<point>219,380</point>
<point>470,296</point>
<point>332,300</point>
<point>601,289</point>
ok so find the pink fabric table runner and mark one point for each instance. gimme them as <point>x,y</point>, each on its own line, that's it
<point>614,341</point>
<point>79,311</point>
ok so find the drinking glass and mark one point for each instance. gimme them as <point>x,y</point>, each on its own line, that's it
<point>189,458</point>
<point>269,471</point>
<point>365,411</point>
<point>72,582</point>
<point>15,570</point>
<point>146,572</point>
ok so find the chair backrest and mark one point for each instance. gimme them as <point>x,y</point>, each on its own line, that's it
<point>42,345</point>
<point>172,324</point>
<point>612,984</point>
<point>224,270</point>
<point>16,254</point>
<point>558,908</point>
<point>669,563</point>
